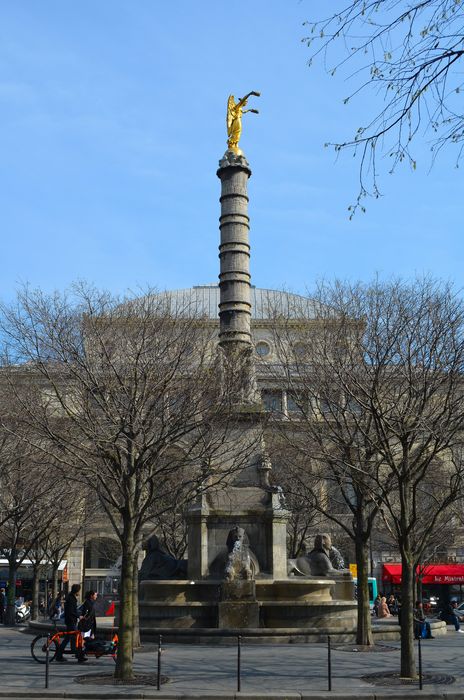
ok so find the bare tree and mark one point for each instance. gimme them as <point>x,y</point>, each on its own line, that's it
<point>171,527</point>
<point>56,543</point>
<point>111,388</point>
<point>379,373</point>
<point>299,489</point>
<point>437,541</point>
<point>26,499</point>
<point>169,520</point>
<point>39,567</point>
<point>57,535</point>
<point>331,455</point>
<point>410,52</point>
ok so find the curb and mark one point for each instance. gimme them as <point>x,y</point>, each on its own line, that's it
<point>205,695</point>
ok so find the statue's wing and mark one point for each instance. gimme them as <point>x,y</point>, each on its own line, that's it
<point>230,106</point>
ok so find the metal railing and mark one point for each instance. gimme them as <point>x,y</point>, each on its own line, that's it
<point>239,637</point>
<point>274,633</point>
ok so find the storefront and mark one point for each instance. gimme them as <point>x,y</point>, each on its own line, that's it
<point>436,582</point>
<point>25,575</point>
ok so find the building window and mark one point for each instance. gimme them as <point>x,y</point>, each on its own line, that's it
<point>330,405</point>
<point>326,407</point>
<point>272,400</point>
<point>352,406</point>
<point>299,350</point>
<point>101,553</point>
<point>262,348</point>
<point>296,403</point>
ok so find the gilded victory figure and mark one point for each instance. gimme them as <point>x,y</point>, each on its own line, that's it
<point>234,119</point>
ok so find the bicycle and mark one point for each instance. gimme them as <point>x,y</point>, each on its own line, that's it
<point>52,642</point>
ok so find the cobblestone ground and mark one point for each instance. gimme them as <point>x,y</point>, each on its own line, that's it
<point>288,667</point>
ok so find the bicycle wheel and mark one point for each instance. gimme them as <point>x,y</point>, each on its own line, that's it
<point>39,648</point>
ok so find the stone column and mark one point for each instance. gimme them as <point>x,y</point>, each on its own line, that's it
<point>234,253</point>
<point>276,520</point>
<point>198,540</point>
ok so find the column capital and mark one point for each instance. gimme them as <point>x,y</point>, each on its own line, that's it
<point>230,159</point>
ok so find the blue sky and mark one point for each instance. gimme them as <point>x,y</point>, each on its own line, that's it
<point>112,122</point>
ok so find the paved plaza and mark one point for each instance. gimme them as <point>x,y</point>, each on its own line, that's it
<point>285,671</point>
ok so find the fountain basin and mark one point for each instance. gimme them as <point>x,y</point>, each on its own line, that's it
<point>304,603</point>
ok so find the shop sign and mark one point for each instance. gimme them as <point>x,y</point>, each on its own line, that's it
<point>448,579</point>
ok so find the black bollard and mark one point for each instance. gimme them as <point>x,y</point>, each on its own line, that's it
<point>47,661</point>
<point>158,680</point>
<point>239,663</point>
<point>329,663</point>
<point>420,662</point>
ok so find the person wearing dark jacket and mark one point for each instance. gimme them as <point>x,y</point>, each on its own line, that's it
<point>72,618</point>
<point>88,622</point>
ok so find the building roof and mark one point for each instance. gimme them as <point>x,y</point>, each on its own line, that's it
<point>203,300</point>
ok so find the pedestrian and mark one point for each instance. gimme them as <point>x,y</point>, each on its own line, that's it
<point>383,610</point>
<point>449,615</point>
<point>56,608</point>
<point>72,618</point>
<point>2,605</point>
<point>421,623</point>
<point>376,604</point>
<point>392,604</point>
<point>88,623</point>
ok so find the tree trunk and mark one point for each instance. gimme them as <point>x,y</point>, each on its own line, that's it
<point>55,581</point>
<point>10,613</point>
<point>408,661</point>
<point>419,587</point>
<point>124,666</point>
<point>364,629</point>
<point>135,605</point>
<point>35,593</point>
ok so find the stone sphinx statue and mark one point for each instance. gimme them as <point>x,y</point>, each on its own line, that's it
<point>241,562</point>
<point>159,566</point>
<point>323,560</point>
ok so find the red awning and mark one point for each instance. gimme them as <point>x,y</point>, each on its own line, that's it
<point>432,573</point>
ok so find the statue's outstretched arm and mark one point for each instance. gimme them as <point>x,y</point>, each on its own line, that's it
<point>243,100</point>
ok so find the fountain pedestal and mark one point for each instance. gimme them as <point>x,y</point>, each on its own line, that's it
<point>238,607</point>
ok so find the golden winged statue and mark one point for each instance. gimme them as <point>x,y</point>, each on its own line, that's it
<point>234,119</point>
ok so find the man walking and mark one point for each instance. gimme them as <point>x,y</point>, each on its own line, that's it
<point>71,618</point>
